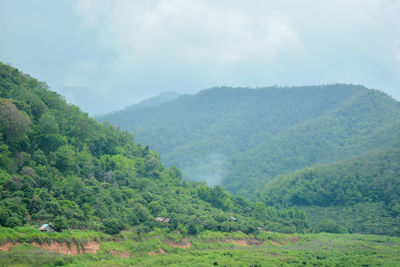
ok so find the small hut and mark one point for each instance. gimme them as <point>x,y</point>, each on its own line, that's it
<point>47,227</point>
<point>162,219</point>
<point>233,219</point>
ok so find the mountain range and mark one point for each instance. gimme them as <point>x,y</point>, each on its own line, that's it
<point>242,138</point>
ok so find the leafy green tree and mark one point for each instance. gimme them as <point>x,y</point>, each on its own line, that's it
<point>112,226</point>
<point>60,223</point>
<point>65,158</point>
<point>13,123</point>
<point>4,215</point>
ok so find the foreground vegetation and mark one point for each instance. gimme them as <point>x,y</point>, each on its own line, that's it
<point>164,248</point>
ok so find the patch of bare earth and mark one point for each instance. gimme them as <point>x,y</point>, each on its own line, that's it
<point>185,244</point>
<point>293,239</point>
<point>8,245</point>
<point>243,242</point>
<point>72,249</point>
<point>160,251</point>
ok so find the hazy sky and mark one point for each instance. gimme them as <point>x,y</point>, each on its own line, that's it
<point>106,54</point>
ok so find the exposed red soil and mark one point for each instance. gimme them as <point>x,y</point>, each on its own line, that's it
<point>8,245</point>
<point>244,242</point>
<point>59,247</point>
<point>254,242</point>
<point>293,239</point>
<point>90,247</point>
<point>161,251</point>
<point>185,244</point>
<point>125,255</point>
<point>237,242</point>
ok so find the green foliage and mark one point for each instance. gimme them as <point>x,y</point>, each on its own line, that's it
<point>330,226</point>
<point>370,178</point>
<point>366,187</point>
<point>112,226</point>
<point>60,223</point>
<point>14,124</point>
<point>68,170</point>
<point>241,138</point>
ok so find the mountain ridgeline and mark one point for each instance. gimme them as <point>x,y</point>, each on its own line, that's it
<point>242,138</point>
<point>58,165</point>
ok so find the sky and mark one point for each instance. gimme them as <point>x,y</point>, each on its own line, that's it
<point>104,55</point>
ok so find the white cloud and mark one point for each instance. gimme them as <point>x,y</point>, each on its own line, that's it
<point>133,49</point>
<point>187,30</point>
<point>175,44</point>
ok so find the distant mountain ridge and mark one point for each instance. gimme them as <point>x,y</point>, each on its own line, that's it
<point>149,102</point>
<point>242,137</point>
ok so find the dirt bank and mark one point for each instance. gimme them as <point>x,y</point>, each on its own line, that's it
<point>72,249</point>
<point>244,242</point>
<point>8,245</point>
<point>184,244</point>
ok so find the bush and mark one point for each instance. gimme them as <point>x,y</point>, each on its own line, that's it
<point>112,226</point>
<point>329,226</point>
<point>60,223</point>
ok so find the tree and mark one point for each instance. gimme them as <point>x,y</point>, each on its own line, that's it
<point>112,226</point>
<point>60,223</point>
<point>13,123</point>
<point>65,158</point>
<point>48,124</point>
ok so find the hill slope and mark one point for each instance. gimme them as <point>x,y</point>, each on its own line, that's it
<point>240,137</point>
<point>58,165</point>
<point>361,194</point>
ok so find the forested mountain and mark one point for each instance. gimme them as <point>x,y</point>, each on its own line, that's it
<point>151,102</point>
<point>362,194</point>
<point>241,138</point>
<point>58,165</point>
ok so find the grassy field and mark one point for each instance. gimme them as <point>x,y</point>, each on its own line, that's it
<point>160,248</point>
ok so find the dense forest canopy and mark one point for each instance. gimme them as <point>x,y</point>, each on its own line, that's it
<point>361,194</point>
<point>242,138</point>
<point>59,165</point>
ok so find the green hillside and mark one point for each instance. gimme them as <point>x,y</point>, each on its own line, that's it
<point>361,194</point>
<point>241,138</point>
<point>58,165</point>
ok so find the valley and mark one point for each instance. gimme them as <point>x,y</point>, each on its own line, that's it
<point>312,178</point>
